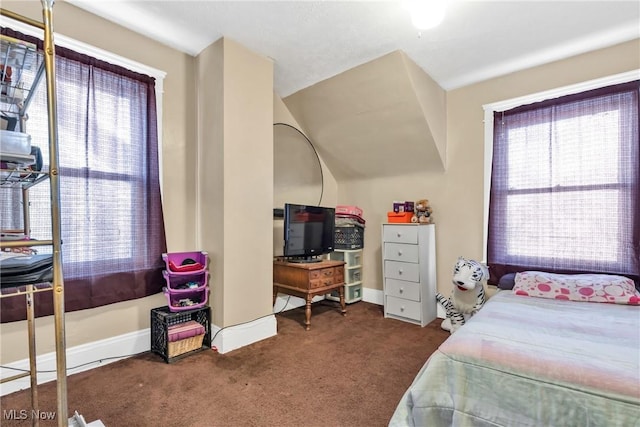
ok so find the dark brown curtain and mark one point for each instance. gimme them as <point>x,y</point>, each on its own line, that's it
<point>565,185</point>
<point>112,221</point>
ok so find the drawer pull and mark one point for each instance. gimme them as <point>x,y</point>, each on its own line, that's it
<point>401,290</point>
<point>402,308</point>
<point>400,272</point>
<point>399,234</point>
<point>399,253</point>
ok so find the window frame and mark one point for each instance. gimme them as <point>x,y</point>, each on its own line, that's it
<point>104,55</point>
<point>88,292</point>
<point>490,109</point>
<point>101,54</point>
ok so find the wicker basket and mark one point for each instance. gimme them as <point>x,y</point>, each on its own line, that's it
<point>184,346</point>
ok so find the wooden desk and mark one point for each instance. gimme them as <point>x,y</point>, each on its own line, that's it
<point>307,280</point>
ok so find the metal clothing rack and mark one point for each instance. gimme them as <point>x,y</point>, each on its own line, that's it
<point>57,284</point>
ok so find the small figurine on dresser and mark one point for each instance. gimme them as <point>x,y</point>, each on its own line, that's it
<point>422,212</point>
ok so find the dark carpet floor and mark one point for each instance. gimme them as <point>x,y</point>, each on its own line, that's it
<point>345,371</point>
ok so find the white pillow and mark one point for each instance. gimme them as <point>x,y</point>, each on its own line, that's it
<point>577,287</point>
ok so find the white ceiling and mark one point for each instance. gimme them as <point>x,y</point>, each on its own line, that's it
<point>310,41</point>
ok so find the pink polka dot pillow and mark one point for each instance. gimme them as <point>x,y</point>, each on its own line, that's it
<point>577,287</point>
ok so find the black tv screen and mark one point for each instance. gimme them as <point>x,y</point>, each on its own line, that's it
<point>309,231</point>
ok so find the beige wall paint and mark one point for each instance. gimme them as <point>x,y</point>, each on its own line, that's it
<point>281,114</point>
<point>236,179</point>
<point>248,201</point>
<point>178,153</point>
<point>356,116</point>
<point>210,168</point>
<point>457,194</point>
<point>433,101</point>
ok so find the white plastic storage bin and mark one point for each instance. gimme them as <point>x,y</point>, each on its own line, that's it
<point>353,275</point>
<point>352,293</point>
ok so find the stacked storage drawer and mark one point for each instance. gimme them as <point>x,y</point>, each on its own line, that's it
<point>183,326</point>
<point>349,241</point>
<point>186,277</point>
<point>349,232</point>
<point>352,275</point>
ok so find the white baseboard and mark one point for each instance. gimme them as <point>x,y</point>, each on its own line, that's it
<point>233,337</point>
<point>374,296</point>
<point>92,355</point>
<point>289,302</point>
<point>80,358</point>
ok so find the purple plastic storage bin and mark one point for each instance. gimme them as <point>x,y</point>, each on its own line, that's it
<point>198,296</point>
<point>185,281</point>
<point>174,261</point>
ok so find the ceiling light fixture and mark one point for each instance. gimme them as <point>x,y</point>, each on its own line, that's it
<point>426,14</point>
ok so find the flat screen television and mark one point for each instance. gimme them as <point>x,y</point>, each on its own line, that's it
<point>309,231</point>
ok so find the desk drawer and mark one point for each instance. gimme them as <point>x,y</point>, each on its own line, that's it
<point>402,270</point>
<point>320,283</point>
<point>403,307</point>
<point>402,289</point>
<point>318,274</point>
<point>400,233</point>
<point>401,252</point>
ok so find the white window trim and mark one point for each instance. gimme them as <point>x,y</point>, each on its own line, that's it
<point>489,109</point>
<point>104,55</point>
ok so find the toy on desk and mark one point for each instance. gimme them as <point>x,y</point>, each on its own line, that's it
<point>468,294</point>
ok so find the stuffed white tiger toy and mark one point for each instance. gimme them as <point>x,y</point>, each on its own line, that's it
<point>468,294</point>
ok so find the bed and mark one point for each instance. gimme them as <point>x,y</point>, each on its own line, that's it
<point>531,361</point>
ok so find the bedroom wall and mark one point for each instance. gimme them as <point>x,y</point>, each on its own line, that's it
<point>178,158</point>
<point>457,194</point>
<point>281,114</point>
<point>235,179</point>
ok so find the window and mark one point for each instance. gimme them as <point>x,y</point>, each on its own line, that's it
<point>111,214</point>
<point>565,185</point>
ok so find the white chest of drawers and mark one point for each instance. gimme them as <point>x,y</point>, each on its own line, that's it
<point>409,272</point>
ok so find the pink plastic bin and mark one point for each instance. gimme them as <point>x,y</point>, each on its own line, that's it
<point>349,210</point>
<point>173,261</point>
<point>180,281</point>
<point>200,296</point>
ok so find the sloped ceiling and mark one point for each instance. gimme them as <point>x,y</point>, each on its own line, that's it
<point>385,117</point>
